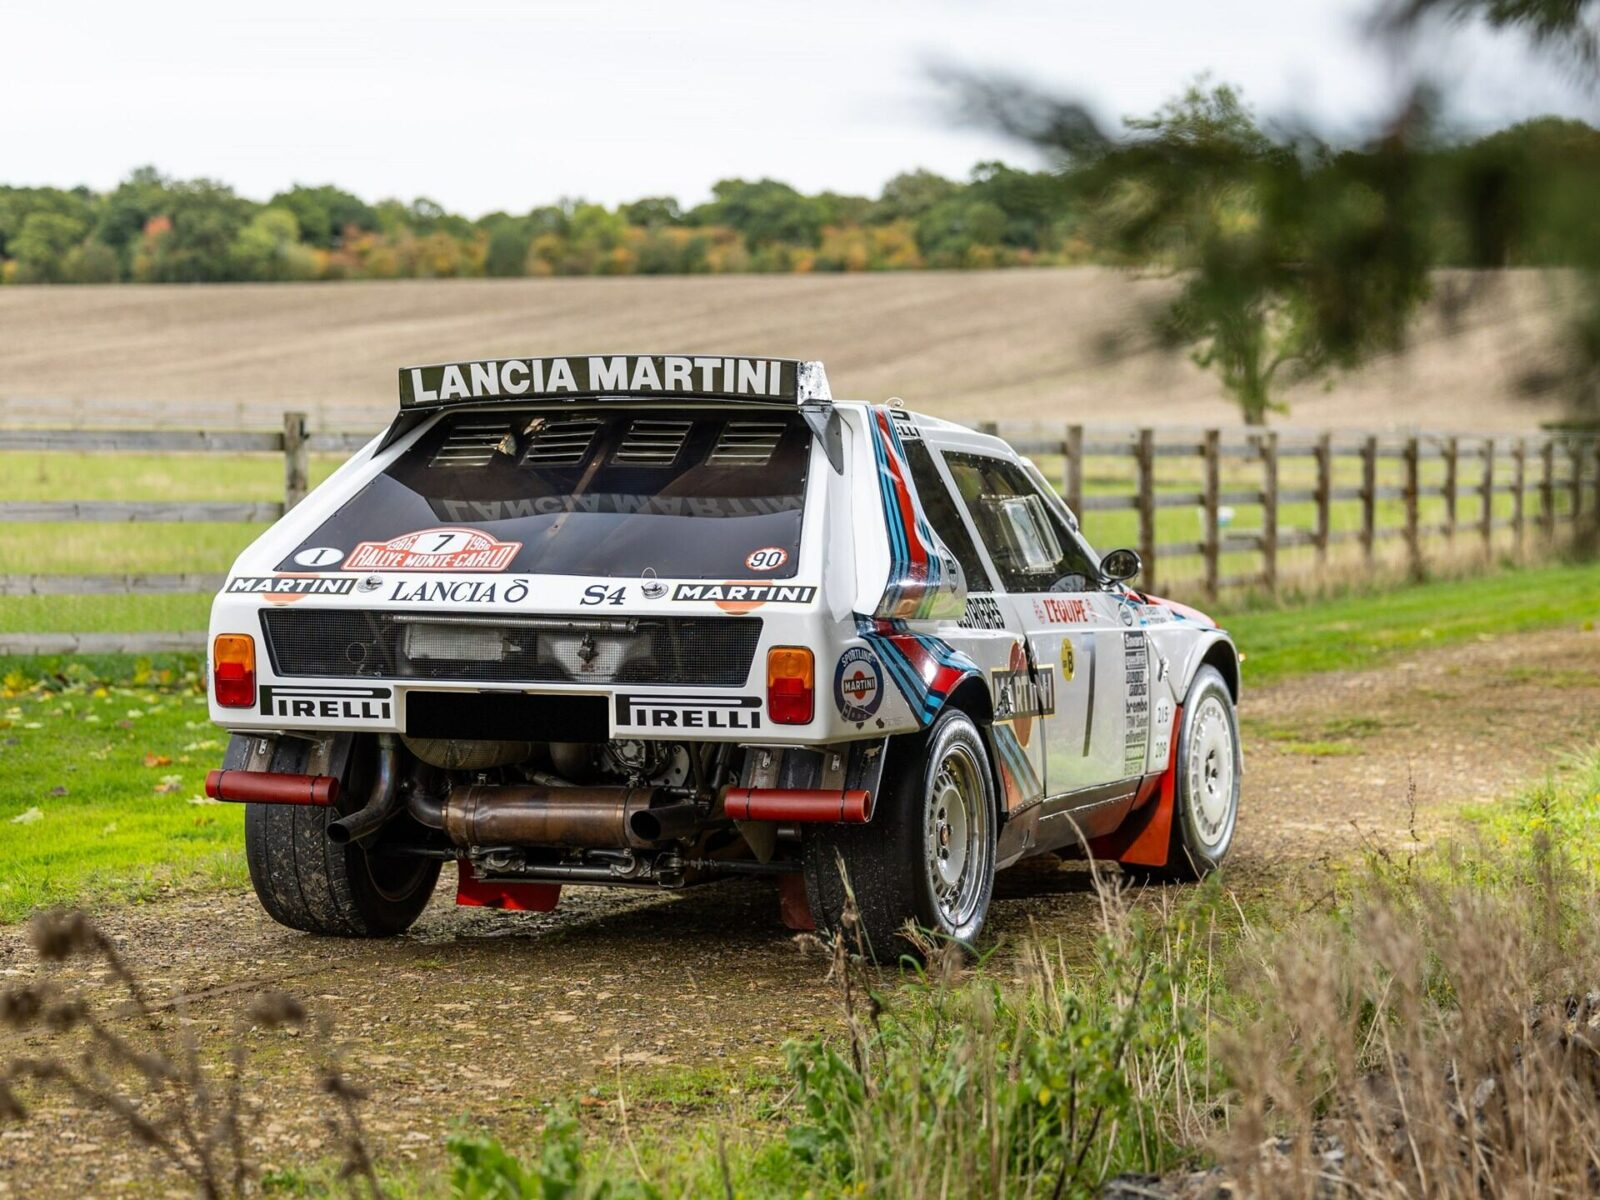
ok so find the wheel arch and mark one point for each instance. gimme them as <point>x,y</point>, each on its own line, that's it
<point>1219,652</point>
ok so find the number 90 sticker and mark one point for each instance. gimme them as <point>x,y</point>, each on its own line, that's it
<point>768,558</point>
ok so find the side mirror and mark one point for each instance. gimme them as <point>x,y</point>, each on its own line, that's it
<point>1119,566</point>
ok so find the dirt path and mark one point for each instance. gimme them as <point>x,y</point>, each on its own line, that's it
<point>490,1015</point>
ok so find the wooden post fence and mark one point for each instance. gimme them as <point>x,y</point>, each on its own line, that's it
<point>1452,448</point>
<point>296,459</point>
<point>1519,483</point>
<point>1073,468</point>
<point>1269,511</point>
<point>1324,498</point>
<point>1210,497</point>
<point>1486,500</point>
<point>1369,498</point>
<point>1145,463</point>
<point>1411,493</point>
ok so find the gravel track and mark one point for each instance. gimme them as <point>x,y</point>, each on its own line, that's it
<point>490,1014</point>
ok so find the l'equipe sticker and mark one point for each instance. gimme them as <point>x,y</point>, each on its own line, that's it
<point>768,558</point>
<point>858,684</point>
<point>442,549</point>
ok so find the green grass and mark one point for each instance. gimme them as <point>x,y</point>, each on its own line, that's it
<point>97,785</point>
<point>1367,629</point>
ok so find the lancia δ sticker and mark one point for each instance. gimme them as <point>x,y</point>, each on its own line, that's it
<point>442,549</point>
<point>858,684</point>
<point>768,558</point>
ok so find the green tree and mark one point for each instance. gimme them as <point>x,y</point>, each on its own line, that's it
<point>508,250</point>
<point>324,213</point>
<point>766,212</point>
<point>652,212</point>
<point>269,248</point>
<point>910,194</point>
<point>42,244</point>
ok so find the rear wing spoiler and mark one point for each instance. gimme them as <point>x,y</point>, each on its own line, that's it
<point>774,381</point>
<point>723,379</point>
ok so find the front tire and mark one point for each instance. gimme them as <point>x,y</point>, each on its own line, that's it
<point>306,882</point>
<point>1206,790</point>
<point>928,854</point>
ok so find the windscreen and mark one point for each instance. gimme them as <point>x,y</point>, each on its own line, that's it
<point>682,493</point>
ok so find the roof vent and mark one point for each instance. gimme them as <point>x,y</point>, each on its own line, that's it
<point>474,444</point>
<point>652,443</point>
<point>561,443</point>
<point>747,443</point>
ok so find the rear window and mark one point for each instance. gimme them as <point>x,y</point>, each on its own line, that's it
<point>586,492</point>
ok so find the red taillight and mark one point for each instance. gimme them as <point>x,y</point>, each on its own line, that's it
<point>791,676</point>
<point>233,670</point>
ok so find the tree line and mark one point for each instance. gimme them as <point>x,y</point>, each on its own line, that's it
<point>1085,208</point>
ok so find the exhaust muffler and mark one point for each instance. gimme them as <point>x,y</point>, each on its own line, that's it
<point>578,818</point>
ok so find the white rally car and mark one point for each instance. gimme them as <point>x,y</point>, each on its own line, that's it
<point>658,620</point>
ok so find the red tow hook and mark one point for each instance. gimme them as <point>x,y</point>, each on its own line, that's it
<point>797,804</point>
<point>266,787</point>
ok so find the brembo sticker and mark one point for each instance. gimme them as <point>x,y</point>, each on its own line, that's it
<point>858,684</point>
<point>442,549</point>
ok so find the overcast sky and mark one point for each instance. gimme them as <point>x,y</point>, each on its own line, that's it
<point>504,106</point>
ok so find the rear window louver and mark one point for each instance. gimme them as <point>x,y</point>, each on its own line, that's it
<point>473,444</point>
<point>746,443</point>
<point>652,443</point>
<point>561,443</point>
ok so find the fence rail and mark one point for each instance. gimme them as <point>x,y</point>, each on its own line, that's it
<point>1431,494</point>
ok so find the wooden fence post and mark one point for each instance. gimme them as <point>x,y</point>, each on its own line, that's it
<point>296,461</point>
<point>1547,488</point>
<point>1412,494</point>
<point>1324,453</point>
<point>1212,536</point>
<point>1145,462</point>
<point>1486,512</point>
<point>1519,480</point>
<point>1576,459</point>
<point>1452,458</point>
<point>1072,469</point>
<point>1269,511</point>
<point>1369,497</point>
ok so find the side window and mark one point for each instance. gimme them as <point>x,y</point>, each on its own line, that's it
<point>1029,548</point>
<point>943,515</point>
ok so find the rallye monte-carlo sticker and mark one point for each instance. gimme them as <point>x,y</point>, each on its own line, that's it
<point>441,549</point>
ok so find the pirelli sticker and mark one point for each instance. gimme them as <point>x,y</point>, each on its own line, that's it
<point>774,380</point>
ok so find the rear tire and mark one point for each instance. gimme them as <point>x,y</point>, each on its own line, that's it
<point>306,882</point>
<point>928,854</point>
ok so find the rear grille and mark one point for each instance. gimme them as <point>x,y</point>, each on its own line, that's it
<point>473,444</point>
<point>342,643</point>
<point>652,443</point>
<point>561,443</point>
<point>747,443</point>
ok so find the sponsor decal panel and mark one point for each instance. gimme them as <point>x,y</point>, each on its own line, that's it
<point>1021,694</point>
<point>291,585</point>
<point>1136,702</point>
<point>446,548</point>
<point>858,684</point>
<point>640,711</point>
<point>1161,733</point>
<point>327,703</point>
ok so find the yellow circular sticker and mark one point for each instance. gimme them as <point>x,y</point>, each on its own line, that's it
<point>1068,660</point>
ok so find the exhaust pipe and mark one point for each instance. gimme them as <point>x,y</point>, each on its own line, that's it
<point>579,818</point>
<point>806,805</point>
<point>268,787</point>
<point>383,804</point>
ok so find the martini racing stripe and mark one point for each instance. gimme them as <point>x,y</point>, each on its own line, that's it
<point>915,574</point>
<point>924,668</point>
<point>1018,778</point>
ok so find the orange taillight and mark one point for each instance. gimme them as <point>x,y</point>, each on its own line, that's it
<point>233,670</point>
<point>791,685</point>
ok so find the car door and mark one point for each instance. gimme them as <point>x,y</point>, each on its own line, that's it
<point>1082,660</point>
